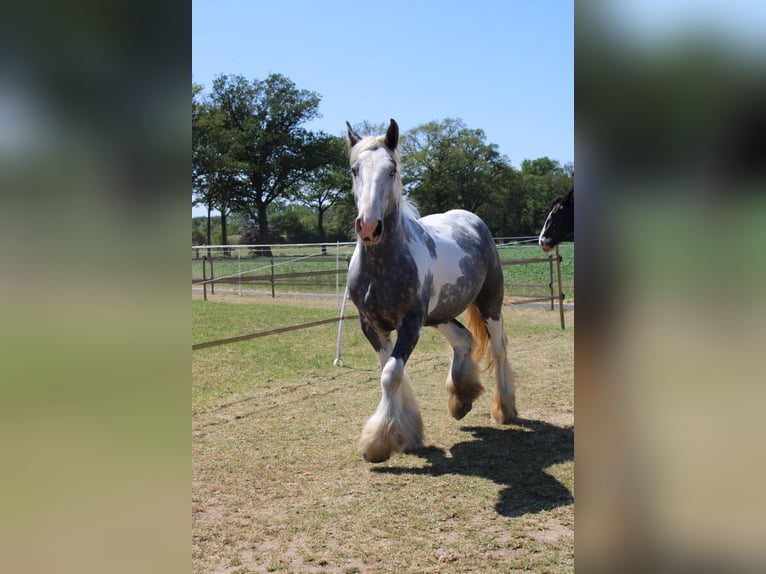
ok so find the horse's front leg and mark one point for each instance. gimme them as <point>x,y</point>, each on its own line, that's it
<point>396,425</point>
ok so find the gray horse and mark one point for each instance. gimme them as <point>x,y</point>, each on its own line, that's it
<point>408,272</point>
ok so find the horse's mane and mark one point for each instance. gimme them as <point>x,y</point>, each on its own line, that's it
<point>407,207</point>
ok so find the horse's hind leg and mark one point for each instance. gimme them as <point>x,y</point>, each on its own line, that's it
<point>504,401</point>
<point>463,384</point>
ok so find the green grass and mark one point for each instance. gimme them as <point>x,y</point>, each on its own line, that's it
<point>213,321</point>
<point>279,486</point>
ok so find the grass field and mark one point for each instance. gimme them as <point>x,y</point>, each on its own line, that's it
<point>520,280</point>
<point>279,486</point>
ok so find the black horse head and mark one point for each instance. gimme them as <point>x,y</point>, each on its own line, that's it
<point>559,223</point>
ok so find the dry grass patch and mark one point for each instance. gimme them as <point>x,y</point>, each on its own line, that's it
<point>278,485</point>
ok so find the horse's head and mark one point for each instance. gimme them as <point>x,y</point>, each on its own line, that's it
<point>375,168</point>
<point>559,223</point>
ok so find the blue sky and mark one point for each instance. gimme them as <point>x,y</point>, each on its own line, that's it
<point>505,66</point>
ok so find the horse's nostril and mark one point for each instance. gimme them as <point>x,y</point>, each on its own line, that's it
<point>369,231</point>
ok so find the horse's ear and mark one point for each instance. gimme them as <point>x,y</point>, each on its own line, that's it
<point>352,137</point>
<point>392,135</point>
<point>570,196</point>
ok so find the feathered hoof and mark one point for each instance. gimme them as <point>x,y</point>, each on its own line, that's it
<point>379,447</point>
<point>504,411</point>
<point>370,459</point>
<point>460,402</point>
<point>458,407</point>
<point>382,437</point>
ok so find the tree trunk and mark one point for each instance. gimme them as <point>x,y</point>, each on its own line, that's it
<point>320,229</point>
<point>263,228</point>
<point>224,233</point>
<point>504,224</point>
<point>209,209</point>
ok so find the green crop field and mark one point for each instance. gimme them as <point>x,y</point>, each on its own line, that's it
<point>279,486</point>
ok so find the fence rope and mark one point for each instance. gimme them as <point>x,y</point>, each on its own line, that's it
<point>266,333</point>
<point>518,241</point>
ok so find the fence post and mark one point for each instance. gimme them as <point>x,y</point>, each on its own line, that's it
<point>272,277</point>
<point>550,285</point>
<point>212,278</point>
<point>561,294</point>
<point>239,271</point>
<point>204,277</point>
<point>337,274</point>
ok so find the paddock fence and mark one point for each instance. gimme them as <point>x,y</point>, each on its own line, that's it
<point>319,270</point>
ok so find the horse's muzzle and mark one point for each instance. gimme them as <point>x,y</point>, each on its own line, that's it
<point>370,231</point>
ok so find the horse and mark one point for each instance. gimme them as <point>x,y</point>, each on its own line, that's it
<point>559,223</point>
<point>409,272</point>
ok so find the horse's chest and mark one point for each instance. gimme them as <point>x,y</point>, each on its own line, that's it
<point>384,295</point>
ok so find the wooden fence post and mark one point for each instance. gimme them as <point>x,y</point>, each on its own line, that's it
<point>204,277</point>
<point>239,270</point>
<point>212,278</point>
<point>561,294</point>
<point>272,278</point>
<point>550,284</point>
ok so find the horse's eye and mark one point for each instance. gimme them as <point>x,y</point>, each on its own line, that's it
<point>393,173</point>
<point>354,171</point>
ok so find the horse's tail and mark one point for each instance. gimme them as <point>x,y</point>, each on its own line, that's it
<point>480,334</point>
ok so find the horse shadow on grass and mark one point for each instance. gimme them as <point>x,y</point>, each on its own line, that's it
<point>516,457</point>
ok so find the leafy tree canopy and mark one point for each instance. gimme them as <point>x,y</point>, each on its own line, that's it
<point>254,159</point>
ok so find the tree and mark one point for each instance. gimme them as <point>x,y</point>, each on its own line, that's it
<point>447,165</point>
<point>214,176</point>
<point>542,180</point>
<point>503,208</point>
<point>327,184</point>
<point>267,150</point>
<point>202,162</point>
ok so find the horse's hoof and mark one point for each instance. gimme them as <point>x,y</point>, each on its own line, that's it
<point>376,452</point>
<point>502,418</point>
<point>376,457</point>
<point>458,408</point>
<point>463,411</point>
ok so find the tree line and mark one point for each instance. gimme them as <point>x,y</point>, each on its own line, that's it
<point>254,161</point>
